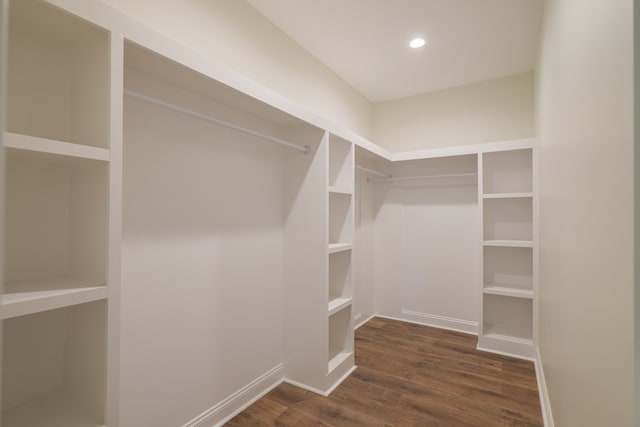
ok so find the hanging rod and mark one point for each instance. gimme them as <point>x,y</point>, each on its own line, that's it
<point>402,178</point>
<point>214,120</point>
<point>362,168</point>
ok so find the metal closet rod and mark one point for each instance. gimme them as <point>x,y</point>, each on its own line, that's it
<point>214,120</point>
<point>402,178</point>
<point>362,168</point>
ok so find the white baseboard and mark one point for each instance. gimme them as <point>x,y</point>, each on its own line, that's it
<point>441,322</point>
<point>318,391</point>
<point>545,403</point>
<point>223,411</point>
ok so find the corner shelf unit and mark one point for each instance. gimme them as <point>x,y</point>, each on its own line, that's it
<point>57,150</point>
<point>340,185</point>
<point>508,302</point>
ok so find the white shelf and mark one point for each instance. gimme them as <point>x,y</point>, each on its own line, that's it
<point>507,195</point>
<point>51,146</point>
<point>339,247</point>
<point>53,410</point>
<point>509,243</point>
<point>337,304</point>
<point>34,296</point>
<point>340,190</point>
<point>508,291</point>
<point>338,359</point>
<point>509,334</point>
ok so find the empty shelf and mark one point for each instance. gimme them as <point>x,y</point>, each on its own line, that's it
<point>50,146</point>
<point>507,195</point>
<point>338,304</point>
<point>340,190</point>
<point>33,296</point>
<point>339,247</point>
<point>509,334</point>
<point>53,410</point>
<point>509,243</point>
<point>508,291</point>
<point>338,359</point>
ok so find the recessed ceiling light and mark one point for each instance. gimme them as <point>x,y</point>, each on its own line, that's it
<point>417,42</point>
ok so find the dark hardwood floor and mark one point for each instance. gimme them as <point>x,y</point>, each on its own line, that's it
<point>411,375</point>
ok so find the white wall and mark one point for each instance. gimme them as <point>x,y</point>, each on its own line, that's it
<point>233,33</point>
<point>203,217</point>
<point>425,230</point>
<point>494,110</point>
<point>585,104</point>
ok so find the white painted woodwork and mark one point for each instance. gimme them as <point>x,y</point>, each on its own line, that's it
<point>34,296</point>
<point>341,175</point>
<point>211,253</point>
<point>507,172</point>
<point>57,141</point>
<point>305,263</point>
<point>174,276</point>
<point>58,76</point>
<point>508,303</point>
<point>56,376</point>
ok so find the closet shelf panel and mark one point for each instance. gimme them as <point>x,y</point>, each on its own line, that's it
<point>53,410</point>
<point>340,190</point>
<point>338,359</point>
<point>339,247</point>
<point>508,291</point>
<point>54,147</point>
<point>509,334</point>
<point>507,195</point>
<point>509,243</point>
<point>34,296</point>
<point>337,304</point>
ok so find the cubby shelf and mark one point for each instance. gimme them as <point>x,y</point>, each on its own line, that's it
<point>507,195</point>
<point>340,190</point>
<point>54,147</point>
<point>508,291</point>
<point>520,336</point>
<point>338,359</point>
<point>339,247</point>
<point>53,410</point>
<point>337,304</point>
<point>34,296</point>
<point>509,243</point>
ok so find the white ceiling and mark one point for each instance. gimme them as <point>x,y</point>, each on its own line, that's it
<point>366,41</point>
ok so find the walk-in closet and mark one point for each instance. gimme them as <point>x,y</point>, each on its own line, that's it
<point>180,238</point>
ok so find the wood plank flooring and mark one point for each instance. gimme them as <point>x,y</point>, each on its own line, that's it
<point>411,375</point>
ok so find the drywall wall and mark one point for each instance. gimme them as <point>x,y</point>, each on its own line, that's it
<point>494,110</point>
<point>585,114</point>
<point>425,229</point>
<point>202,305</point>
<point>233,33</point>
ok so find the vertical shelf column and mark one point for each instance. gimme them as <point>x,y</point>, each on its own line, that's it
<point>340,185</point>
<point>57,147</point>
<point>508,299</point>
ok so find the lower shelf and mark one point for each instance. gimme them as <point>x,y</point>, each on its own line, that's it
<point>507,334</point>
<point>53,410</point>
<point>34,296</point>
<point>338,359</point>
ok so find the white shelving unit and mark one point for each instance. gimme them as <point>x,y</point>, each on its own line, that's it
<point>340,186</point>
<point>508,298</point>
<point>57,153</point>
